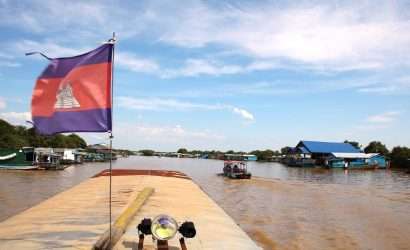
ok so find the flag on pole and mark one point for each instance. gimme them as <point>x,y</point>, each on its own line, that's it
<point>73,94</point>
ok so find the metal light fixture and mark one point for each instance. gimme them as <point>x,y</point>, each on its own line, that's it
<point>145,226</point>
<point>187,229</point>
<point>164,227</point>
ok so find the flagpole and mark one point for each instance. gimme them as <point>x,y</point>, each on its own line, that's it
<point>111,134</point>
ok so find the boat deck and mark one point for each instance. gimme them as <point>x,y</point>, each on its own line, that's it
<point>76,218</point>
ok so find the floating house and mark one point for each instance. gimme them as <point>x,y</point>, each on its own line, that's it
<point>334,155</point>
<point>100,151</point>
<point>250,157</point>
<point>379,160</point>
<point>356,160</point>
<point>240,157</point>
<point>70,155</point>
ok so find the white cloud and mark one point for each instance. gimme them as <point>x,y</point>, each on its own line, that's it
<point>195,67</point>
<point>17,118</point>
<point>316,36</point>
<point>177,131</point>
<point>3,103</point>
<point>378,121</point>
<point>9,64</point>
<point>392,85</point>
<point>244,113</point>
<point>339,37</point>
<point>325,36</point>
<point>164,104</point>
<point>165,137</point>
<point>84,20</point>
<point>50,48</point>
<point>161,104</point>
<point>131,62</point>
<point>383,118</point>
<point>6,60</point>
<point>5,56</point>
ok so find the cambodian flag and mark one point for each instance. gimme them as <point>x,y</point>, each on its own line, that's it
<point>73,94</point>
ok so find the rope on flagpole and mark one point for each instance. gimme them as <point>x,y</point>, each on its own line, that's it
<point>112,40</point>
<point>36,52</point>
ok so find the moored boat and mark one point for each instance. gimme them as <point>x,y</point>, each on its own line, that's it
<point>18,159</point>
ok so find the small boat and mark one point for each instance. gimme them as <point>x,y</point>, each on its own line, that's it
<point>18,159</point>
<point>236,170</point>
<point>45,158</point>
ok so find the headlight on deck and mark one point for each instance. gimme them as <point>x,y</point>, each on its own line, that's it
<point>164,227</point>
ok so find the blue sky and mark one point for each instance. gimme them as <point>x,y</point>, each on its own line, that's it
<point>226,75</point>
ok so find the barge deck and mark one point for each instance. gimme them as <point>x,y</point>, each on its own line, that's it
<point>77,217</point>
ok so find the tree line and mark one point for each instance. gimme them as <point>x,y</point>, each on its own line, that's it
<point>399,156</point>
<point>20,136</point>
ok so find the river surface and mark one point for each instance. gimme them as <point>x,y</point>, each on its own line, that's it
<point>280,208</point>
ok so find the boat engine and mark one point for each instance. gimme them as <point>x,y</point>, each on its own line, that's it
<point>163,228</point>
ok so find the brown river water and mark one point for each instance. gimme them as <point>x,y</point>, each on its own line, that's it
<point>280,208</point>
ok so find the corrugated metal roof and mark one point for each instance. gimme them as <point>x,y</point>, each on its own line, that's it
<point>328,147</point>
<point>371,155</point>
<point>352,155</point>
<point>303,150</point>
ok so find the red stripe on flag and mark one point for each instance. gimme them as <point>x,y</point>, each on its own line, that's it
<point>90,85</point>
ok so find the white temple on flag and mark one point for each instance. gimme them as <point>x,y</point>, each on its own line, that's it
<point>65,97</point>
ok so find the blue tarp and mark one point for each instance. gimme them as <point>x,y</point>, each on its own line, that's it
<point>328,147</point>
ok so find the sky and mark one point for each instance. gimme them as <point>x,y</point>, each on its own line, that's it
<point>224,75</point>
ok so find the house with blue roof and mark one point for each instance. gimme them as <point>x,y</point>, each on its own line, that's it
<point>322,148</point>
<point>333,154</point>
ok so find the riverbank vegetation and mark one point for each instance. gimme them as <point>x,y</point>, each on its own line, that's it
<point>20,136</point>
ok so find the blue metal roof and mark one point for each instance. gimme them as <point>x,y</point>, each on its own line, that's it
<point>328,147</point>
<point>303,150</point>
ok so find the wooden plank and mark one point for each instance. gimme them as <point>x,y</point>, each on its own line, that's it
<point>123,221</point>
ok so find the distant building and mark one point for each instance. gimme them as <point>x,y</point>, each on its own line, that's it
<point>334,154</point>
<point>320,151</point>
<point>244,157</point>
<point>101,151</point>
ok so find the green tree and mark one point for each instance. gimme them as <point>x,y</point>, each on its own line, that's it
<point>9,136</point>
<point>182,151</point>
<point>19,136</point>
<point>36,140</point>
<point>195,152</point>
<point>263,155</point>
<point>354,144</point>
<point>285,150</point>
<point>147,152</point>
<point>376,147</point>
<point>76,141</point>
<point>400,157</point>
<point>58,141</point>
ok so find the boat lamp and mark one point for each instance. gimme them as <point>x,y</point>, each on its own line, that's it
<point>164,227</point>
<point>187,229</point>
<point>145,226</point>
